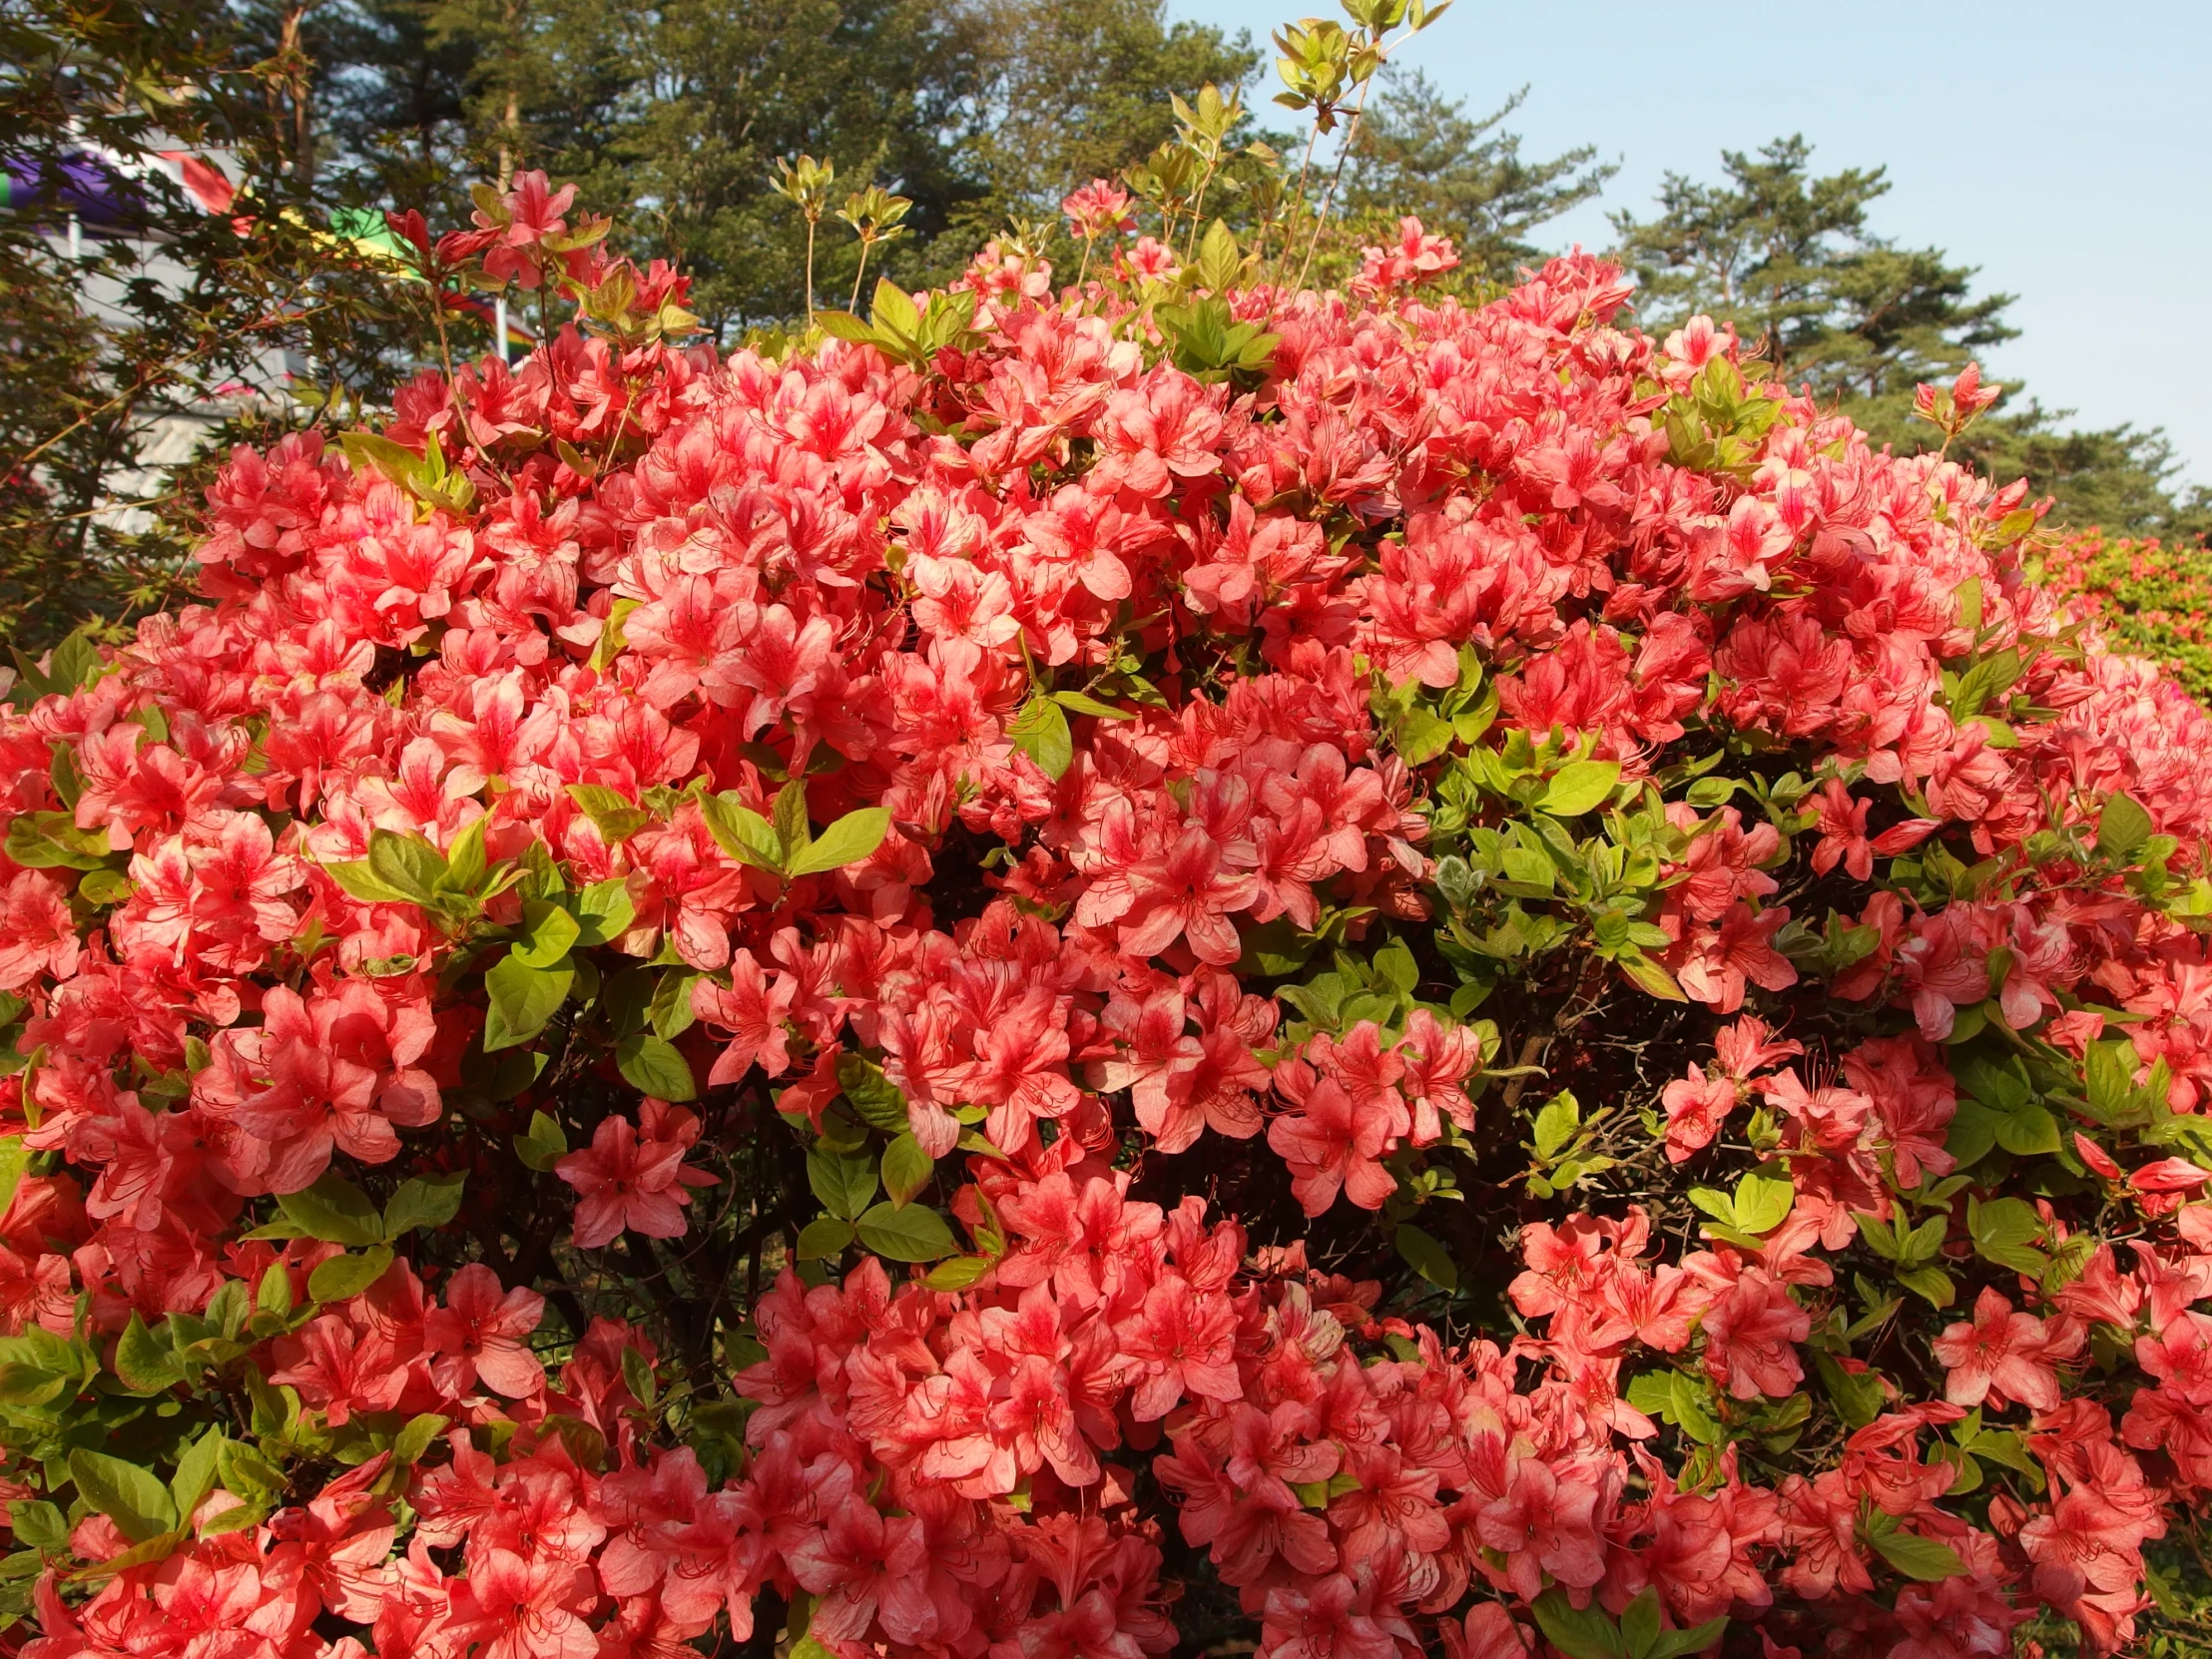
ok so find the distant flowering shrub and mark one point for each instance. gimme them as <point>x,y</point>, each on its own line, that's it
<point>1084,971</point>
<point>2143,595</point>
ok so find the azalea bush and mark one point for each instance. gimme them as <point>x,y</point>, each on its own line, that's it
<point>2147,596</point>
<point>1082,971</point>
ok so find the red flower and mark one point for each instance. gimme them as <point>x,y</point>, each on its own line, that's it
<point>2002,1355</point>
<point>478,1334</point>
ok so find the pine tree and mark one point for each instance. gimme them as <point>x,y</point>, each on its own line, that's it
<point>1418,152</point>
<point>1792,259</point>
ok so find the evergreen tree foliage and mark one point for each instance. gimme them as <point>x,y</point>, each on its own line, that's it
<point>1463,176</point>
<point>1792,259</point>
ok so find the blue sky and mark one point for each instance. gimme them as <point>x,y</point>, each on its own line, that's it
<point>2065,148</point>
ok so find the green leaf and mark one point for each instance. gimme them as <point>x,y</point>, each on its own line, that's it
<point>374,452</point>
<point>133,1497</point>
<point>356,878</point>
<point>1579,786</point>
<point>616,820</point>
<point>2002,1220</point>
<point>273,1295</point>
<point>244,1471</point>
<point>334,1211</point>
<point>911,1234</point>
<point>465,865</point>
<point>38,1523</point>
<point>1652,1392</point>
<point>1918,1557</point>
<point>1969,604</point>
<point>970,1141</point>
<point>1715,1202</point>
<point>15,1159</point>
<point>523,999</point>
<point>1650,976</point>
<point>892,307</point>
<point>405,863</point>
<point>1762,1199</point>
<point>603,911</point>
<point>415,1439</point>
<point>845,1182</point>
<point>741,832</point>
<point>227,1309</point>
<point>1394,963</point>
<point>1582,1632</point>
<point>670,1011</point>
<point>906,1168</point>
<point>1696,1639</point>
<point>788,817</point>
<point>959,1273</point>
<point>1219,264</point>
<point>105,886</point>
<point>823,1236</point>
<point>612,639</point>
<point>544,1145</point>
<point>145,1362</point>
<point>427,1202</point>
<point>2027,1132</point>
<point>637,1375</point>
<point>1973,1132</point>
<point>1428,1257</point>
<point>1040,732</point>
<point>50,840</point>
<point>1083,703</point>
<point>875,1097</point>
<point>845,326</point>
<point>1686,1404</point>
<point>2123,827</point>
<point>1556,1124</point>
<point>344,1278</point>
<point>195,1473</point>
<point>1932,1284</point>
<point>1640,1621</point>
<point>654,1065</point>
<point>1856,1395</point>
<point>852,837</point>
<point>1421,736</point>
<point>548,931</point>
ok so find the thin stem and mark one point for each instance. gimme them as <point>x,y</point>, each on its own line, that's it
<point>1298,191</point>
<point>1329,197</point>
<point>810,271</point>
<point>1198,208</point>
<point>1084,269</point>
<point>853,305</point>
<point>437,321</point>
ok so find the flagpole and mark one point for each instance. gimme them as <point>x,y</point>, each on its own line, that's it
<point>499,324</point>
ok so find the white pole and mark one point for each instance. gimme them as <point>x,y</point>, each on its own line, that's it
<point>499,324</point>
<point>76,244</point>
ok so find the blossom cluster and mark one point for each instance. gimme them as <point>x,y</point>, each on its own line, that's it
<point>1081,970</point>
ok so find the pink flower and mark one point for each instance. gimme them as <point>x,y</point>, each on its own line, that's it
<point>1751,1329</point>
<point>1185,1343</point>
<point>623,1182</point>
<point>1334,1143</point>
<point>38,936</point>
<point>1696,1107</point>
<point>754,1007</point>
<point>1415,256</point>
<point>1097,209</point>
<point>2002,1355</point>
<point>478,1334</point>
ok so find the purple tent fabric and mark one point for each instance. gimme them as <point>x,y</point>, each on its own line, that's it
<point>81,183</point>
